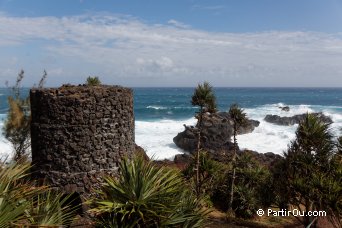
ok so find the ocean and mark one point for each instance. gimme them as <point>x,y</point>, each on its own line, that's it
<point>161,112</point>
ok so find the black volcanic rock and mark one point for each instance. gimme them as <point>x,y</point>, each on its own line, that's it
<point>296,119</point>
<point>285,108</point>
<point>217,130</point>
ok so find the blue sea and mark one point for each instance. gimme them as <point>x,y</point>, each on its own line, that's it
<point>161,112</point>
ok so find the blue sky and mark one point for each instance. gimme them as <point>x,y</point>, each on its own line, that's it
<point>173,43</point>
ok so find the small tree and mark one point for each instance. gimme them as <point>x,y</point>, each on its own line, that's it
<point>17,125</point>
<point>205,99</point>
<point>145,195</point>
<point>93,81</point>
<point>239,119</point>
<point>312,173</point>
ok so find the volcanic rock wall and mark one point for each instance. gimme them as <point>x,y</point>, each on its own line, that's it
<point>80,132</point>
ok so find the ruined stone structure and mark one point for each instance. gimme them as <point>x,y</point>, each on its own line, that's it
<point>80,132</point>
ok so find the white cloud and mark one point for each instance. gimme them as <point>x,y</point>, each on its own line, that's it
<point>178,24</point>
<point>132,50</point>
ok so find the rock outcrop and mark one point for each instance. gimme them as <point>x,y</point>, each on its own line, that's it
<point>217,130</point>
<point>284,108</point>
<point>268,159</point>
<point>288,121</point>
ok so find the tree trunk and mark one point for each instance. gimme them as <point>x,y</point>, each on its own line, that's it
<point>230,211</point>
<point>198,190</point>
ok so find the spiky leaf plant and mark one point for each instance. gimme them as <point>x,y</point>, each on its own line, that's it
<point>313,173</point>
<point>146,196</point>
<point>205,99</point>
<point>93,81</point>
<point>14,192</point>
<point>239,118</point>
<point>51,209</point>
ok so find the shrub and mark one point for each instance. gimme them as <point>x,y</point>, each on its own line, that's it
<point>146,196</point>
<point>250,188</point>
<point>93,81</point>
<point>21,202</point>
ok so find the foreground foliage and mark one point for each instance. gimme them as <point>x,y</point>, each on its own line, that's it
<point>251,188</point>
<point>313,171</point>
<point>147,196</point>
<point>21,202</point>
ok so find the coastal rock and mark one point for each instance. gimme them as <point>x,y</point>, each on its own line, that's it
<point>217,130</point>
<point>139,151</point>
<point>288,121</point>
<point>284,108</point>
<point>268,159</point>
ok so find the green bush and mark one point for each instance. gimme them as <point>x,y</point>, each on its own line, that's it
<point>251,189</point>
<point>22,202</point>
<point>210,172</point>
<point>146,196</point>
<point>93,81</point>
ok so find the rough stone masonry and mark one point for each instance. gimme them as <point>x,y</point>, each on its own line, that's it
<point>80,132</point>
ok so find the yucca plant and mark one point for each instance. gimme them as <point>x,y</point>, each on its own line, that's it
<point>23,204</point>
<point>146,196</point>
<point>14,192</point>
<point>51,209</point>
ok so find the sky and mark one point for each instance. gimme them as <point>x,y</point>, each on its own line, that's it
<point>173,43</point>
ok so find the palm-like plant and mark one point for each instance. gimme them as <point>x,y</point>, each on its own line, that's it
<point>310,166</point>
<point>93,81</point>
<point>239,119</point>
<point>146,196</point>
<point>15,191</point>
<point>51,209</point>
<point>21,202</point>
<point>203,97</point>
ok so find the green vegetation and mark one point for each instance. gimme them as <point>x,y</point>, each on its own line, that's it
<point>210,173</point>
<point>239,119</point>
<point>313,174</point>
<point>147,196</point>
<point>22,202</point>
<point>143,194</point>
<point>93,81</point>
<point>17,125</point>
<point>205,99</point>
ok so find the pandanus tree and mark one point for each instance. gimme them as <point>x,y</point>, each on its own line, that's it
<point>312,173</point>
<point>239,119</point>
<point>205,99</point>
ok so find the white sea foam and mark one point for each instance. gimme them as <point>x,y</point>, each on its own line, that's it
<point>273,138</point>
<point>156,107</point>
<point>6,150</point>
<point>156,137</point>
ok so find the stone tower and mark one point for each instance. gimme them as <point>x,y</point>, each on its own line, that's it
<point>80,132</point>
